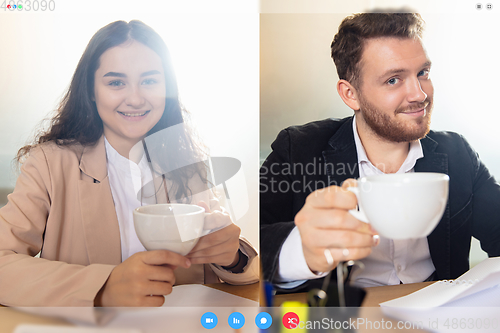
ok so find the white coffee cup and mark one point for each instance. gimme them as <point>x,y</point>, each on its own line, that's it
<point>402,206</point>
<point>173,227</point>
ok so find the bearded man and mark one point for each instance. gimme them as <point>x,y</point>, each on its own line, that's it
<point>385,79</point>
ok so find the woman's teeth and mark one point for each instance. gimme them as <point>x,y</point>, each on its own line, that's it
<point>133,114</point>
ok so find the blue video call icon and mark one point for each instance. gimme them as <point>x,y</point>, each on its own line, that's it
<point>209,320</point>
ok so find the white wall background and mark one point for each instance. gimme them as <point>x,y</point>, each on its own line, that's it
<point>215,54</point>
<point>298,78</point>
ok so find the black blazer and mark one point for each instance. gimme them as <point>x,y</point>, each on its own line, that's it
<point>322,153</point>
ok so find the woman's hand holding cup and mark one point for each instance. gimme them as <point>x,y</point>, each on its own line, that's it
<point>220,246</point>
<point>142,279</point>
<point>324,223</point>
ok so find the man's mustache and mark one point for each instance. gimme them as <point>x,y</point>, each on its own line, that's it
<point>415,107</point>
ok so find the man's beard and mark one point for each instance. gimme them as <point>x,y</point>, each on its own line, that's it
<point>393,129</point>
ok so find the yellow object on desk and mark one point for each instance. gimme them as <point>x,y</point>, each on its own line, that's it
<point>293,314</point>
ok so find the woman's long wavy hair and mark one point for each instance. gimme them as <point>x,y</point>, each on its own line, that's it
<point>77,119</point>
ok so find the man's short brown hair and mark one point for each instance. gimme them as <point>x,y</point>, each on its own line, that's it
<point>348,43</point>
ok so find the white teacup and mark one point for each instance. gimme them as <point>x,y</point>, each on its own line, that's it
<point>402,206</point>
<point>173,227</point>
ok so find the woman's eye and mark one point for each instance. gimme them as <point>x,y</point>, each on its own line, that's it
<point>116,83</point>
<point>149,81</point>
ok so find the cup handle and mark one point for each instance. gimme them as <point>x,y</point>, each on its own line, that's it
<point>359,214</point>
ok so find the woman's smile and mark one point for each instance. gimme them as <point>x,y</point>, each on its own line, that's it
<point>134,115</point>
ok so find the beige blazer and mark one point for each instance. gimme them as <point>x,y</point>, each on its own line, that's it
<point>62,207</point>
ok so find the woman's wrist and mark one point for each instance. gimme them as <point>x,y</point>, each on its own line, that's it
<point>238,263</point>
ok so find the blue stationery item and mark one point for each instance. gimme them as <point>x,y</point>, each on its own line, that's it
<point>269,293</point>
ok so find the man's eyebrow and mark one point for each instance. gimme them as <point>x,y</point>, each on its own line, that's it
<point>427,64</point>
<point>391,72</point>
<point>402,70</point>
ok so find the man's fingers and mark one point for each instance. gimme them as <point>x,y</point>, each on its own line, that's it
<point>332,197</point>
<point>165,257</point>
<point>338,239</point>
<point>344,254</point>
<point>317,261</point>
<point>325,224</point>
<point>330,219</point>
<point>351,182</point>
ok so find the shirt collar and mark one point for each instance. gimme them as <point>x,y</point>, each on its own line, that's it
<point>414,153</point>
<point>118,161</point>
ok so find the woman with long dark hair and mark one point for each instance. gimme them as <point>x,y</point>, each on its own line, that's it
<point>75,195</point>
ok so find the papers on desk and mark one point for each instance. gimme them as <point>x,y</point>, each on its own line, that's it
<point>197,295</point>
<point>483,276</point>
<point>474,295</point>
<point>183,309</point>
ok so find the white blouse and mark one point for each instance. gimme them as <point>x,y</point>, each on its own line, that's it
<point>126,179</point>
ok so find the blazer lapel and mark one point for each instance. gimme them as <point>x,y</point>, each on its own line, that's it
<point>439,240</point>
<point>100,223</point>
<point>341,158</point>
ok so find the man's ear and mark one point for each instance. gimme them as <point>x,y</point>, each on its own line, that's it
<point>348,94</point>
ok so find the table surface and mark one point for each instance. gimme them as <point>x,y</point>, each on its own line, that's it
<point>10,318</point>
<point>374,295</point>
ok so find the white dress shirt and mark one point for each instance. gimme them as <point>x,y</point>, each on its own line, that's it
<point>391,262</point>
